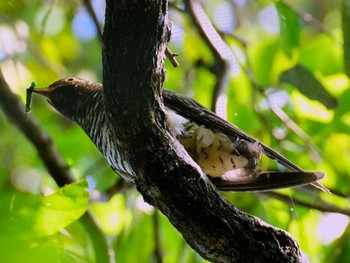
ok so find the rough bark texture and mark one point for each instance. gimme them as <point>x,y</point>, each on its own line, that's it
<point>135,37</point>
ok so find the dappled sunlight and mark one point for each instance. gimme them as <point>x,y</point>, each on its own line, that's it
<point>286,84</point>
<point>331,227</point>
<point>311,109</point>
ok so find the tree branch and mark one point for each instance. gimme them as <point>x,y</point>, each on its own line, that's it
<point>58,169</point>
<point>217,46</point>
<point>94,18</point>
<point>135,38</point>
<point>15,111</point>
<point>319,205</point>
<point>157,251</point>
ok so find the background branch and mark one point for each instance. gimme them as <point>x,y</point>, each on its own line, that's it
<point>94,18</point>
<point>15,111</point>
<point>157,237</point>
<point>218,48</point>
<point>319,204</point>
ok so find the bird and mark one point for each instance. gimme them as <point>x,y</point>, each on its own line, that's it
<point>226,154</point>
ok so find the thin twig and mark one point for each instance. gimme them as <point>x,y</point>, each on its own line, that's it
<point>312,21</point>
<point>93,15</point>
<point>172,57</point>
<point>239,39</point>
<point>46,16</point>
<point>157,242</point>
<point>318,205</point>
<point>217,46</point>
<point>297,130</point>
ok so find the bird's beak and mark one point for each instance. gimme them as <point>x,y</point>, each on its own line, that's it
<point>45,92</point>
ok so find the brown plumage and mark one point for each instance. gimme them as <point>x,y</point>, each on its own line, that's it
<point>224,152</point>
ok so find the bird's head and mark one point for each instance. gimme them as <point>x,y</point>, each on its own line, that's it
<point>68,95</point>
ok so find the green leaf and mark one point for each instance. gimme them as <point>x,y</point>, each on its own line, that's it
<point>263,58</point>
<point>29,215</point>
<point>307,84</point>
<point>140,233</point>
<point>346,35</point>
<point>322,54</point>
<point>289,27</point>
<point>72,245</point>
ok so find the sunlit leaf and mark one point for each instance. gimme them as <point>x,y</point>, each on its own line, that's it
<point>321,53</point>
<point>311,109</point>
<point>289,26</point>
<point>263,59</point>
<point>307,84</point>
<point>72,246</point>
<point>41,216</point>
<point>112,216</point>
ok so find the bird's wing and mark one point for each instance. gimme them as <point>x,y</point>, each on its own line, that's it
<point>192,110</point>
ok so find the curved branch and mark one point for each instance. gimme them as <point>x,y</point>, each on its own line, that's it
<point>15,111</point>
<point>58,169</point>
<point>94,18</point>
<point>319,205</point>
<point>134,42</point>
<point>217,46</point>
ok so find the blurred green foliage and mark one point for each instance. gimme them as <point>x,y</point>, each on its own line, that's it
<point>43,41</point>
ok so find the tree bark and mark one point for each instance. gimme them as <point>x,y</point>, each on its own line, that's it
<point>135,37</point>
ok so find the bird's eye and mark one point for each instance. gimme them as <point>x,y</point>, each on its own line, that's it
<point>70,79</point>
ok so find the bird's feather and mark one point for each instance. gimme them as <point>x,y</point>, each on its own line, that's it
<point>194,111</point>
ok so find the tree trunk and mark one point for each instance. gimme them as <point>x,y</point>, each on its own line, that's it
<point>135,37</point>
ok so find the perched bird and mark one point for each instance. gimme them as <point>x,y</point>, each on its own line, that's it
<point>225,153</point>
